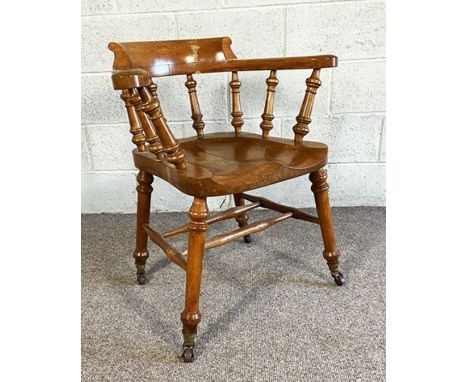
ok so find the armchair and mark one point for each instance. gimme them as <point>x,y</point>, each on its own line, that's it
<point>207,165</point>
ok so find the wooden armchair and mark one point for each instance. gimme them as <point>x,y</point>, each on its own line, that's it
<point>216,164</point>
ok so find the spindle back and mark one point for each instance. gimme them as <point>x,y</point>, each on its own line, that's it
<point>136,63</point>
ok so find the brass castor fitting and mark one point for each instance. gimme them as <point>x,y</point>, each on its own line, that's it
<point>339,279</point>
<point>141,278</point>
<point>187,353</point>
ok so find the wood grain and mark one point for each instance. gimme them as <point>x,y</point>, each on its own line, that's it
<point>236,111</point>
<point>230,213</point>
<point>303,119</point>
<point>197,116</point>
<point>267,117</point>
<point>172,253</point>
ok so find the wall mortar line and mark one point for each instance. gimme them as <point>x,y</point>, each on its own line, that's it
<point>88,147</point>
<point>285,15</point>
<point>379,151</point>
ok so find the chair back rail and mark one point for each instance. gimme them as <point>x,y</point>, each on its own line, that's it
<point>182,57</point>
<point>162,58</point>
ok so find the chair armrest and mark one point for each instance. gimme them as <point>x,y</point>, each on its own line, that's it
<point>165,68</point>
<point>131,78</point>
<point>279,63</point>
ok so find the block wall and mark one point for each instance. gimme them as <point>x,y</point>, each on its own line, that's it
<point>349,114</point>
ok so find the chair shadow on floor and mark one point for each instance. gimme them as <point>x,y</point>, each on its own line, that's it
<point>213,330</point>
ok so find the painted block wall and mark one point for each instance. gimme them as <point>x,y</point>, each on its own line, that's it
<point>349,114</point>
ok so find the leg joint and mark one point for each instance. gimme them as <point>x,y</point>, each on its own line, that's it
<point>190,319</point>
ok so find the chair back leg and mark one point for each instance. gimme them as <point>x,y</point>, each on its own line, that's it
<point>243,219</point>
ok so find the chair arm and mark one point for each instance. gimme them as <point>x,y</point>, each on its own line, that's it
<point>281,63</point>
<point>165,68</point>
<point>131,78</point>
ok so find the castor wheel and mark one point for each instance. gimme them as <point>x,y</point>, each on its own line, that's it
<point>141,278</point>
<point>339,279</point>
<point>187,354</point>
<point>248,239</point>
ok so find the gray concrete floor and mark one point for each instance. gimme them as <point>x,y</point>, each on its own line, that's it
<point>271,312</point>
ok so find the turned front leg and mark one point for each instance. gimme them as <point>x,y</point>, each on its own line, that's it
<point>331,253</point>
<point>191,317</point>
<point>141,253</point>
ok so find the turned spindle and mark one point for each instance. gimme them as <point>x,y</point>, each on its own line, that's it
<point>227,237</point>
<point>171,146</point>
<point>236,113</point>
<point>228,214</point>
<point>154,144</point>
<point>197,116</point>
<point>267,116</point>
<point>135,124</point>
<point>153,89</point>
<point>303,119</point>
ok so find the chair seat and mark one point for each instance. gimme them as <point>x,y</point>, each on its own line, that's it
<point>226,163</point>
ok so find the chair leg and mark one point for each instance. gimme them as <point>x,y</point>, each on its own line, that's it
<point>141,253</point>
<point>242,219</point>
<point>191,317</point>
<point>331,253</point>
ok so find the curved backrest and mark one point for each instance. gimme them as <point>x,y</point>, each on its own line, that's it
<point>163,58</point>
<point>134,65</point>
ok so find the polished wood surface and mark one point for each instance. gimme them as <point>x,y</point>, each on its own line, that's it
<point>236,112</point>
<point>141,252</point>
<point>165,58</point>
<point>173,254</point>
<point>226,163</point>
<point>266,203</point>
<point>248,229</point>
<point>303,119</point>
<point>215,164</point>
<point>230,213</point>
<point>191,316</point>
<point>135,124</point>
<point>242,219</point>
<point>170,144</point>
<point>331,253</point>
<point>197,116</point>
<point>267,117</point>
<point>144,123</point>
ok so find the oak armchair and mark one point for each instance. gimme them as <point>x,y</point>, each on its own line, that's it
<point>216,164</point>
